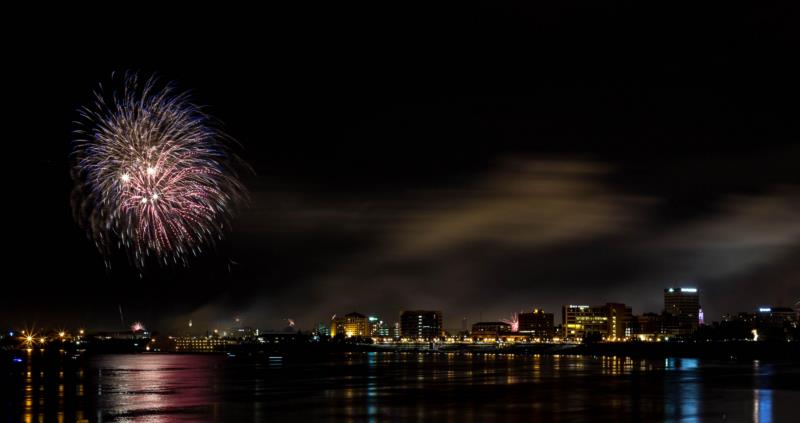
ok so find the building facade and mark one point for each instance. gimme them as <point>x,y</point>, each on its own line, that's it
<point>578,321</point>
<point>536,324</point>
<point>682,307</point>
<point>648,326</point>
<point>618,320</point>
<point>377,327</point>
<point>200,343</point>
<point>421,324</point>
<point>490,331</point>
<point>352,324</point>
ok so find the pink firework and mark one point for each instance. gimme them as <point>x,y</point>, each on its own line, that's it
<point>137,326</point>
<point>513,321</point>
<point>153,176</point>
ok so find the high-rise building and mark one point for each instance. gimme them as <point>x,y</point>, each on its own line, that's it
<point>322,330</point>
<point>682,305</point>
<point>581,320</point>
<point>352,324</point>
<point>619,319</point>
<point>421,324</point>
<point>536,324</point>
<point>776,316</point>
<point>377,327</point>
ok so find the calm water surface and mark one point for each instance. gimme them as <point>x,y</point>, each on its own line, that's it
<point>404,387</point>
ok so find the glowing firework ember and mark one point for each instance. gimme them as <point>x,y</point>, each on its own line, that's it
<point>136,327</point>
<point>153,177</point>
<point>513,321</point>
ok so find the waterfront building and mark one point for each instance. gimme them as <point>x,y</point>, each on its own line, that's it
<point>200,343</point>
<point>490,331</point>
<point>421,324</point>
<point>647,327</point>
<point>536,324</point>
<point>618,320</point>
<point>581,320</point>
<point>682,305</point>
<point>352,324</point>
<point>377,327</point>
<point>322,330</point>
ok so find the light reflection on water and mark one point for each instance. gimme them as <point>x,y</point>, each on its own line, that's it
<point>406,386</point>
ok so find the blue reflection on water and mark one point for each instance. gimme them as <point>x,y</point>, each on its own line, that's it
<point>683,391</point>
<point>681,363</point>
<point>372,387</point>
<point>762,405</point>
<point>762,398</point>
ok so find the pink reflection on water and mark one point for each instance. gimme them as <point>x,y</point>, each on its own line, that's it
<point>153,387</point>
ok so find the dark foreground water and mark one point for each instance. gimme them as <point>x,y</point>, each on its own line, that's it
<point>403,387</point>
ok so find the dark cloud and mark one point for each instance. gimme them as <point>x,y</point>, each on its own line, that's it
<point>535,232</point>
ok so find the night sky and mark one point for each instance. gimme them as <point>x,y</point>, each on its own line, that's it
<point>474,162</point>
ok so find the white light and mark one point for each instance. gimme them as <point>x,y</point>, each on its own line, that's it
<point>671,290</point>
<point>151,170</point>
<point>155,197</point>
<point>125,177</point>
<point>765,309</point>
<point>688,289</point>
<point>144,200</point>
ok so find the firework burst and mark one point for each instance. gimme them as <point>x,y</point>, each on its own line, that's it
<point>513,321</point>
<point>153,176</point>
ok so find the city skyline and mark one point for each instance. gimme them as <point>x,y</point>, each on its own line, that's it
<point>357,324</point>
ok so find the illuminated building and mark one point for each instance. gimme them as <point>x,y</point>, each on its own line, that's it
<point>396,330</point>
<point>352,324</point>
<point>647,327</point>
<point>683,307</point>
<point>619,319</point>
<point>322,330</point>
<point>579,320</point>
<point>200,344</point>
<point>776,316</point>
<point>490,331</point>
<point>421,324</point>
<point>242,333</point>
<point>536,324</point>
<point>377,327</point>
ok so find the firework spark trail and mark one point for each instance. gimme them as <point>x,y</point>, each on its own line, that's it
<point>153,176</point>
<point>513,321</point>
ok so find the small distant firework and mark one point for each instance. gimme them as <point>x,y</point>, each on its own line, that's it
<point>137,326</point>
<point>291,322</point>
<point>153,177</point>
<point>513,321</point>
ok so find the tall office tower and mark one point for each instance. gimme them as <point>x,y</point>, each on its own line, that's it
<point>421,324</point>
<point>682,305</point>
<point>581,320</point>
<point>536,323</point>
